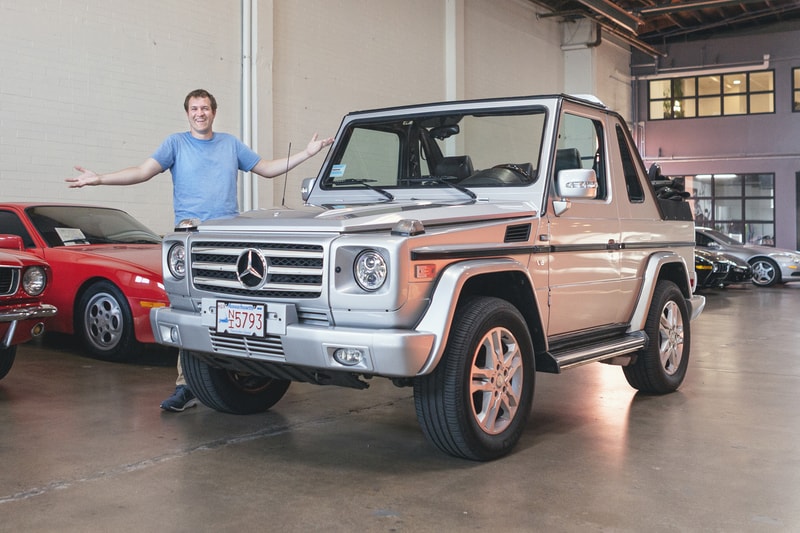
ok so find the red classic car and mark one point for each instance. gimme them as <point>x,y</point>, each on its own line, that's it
<point>23,280</point>
<point>106,272</point>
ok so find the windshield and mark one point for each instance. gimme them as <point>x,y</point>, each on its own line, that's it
<point>76,225</point>
<point>721,237</point>
<point>486,149</point>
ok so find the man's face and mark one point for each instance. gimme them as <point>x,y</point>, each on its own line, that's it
<point>201,116</point>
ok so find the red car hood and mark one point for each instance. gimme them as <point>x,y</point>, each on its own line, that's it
<point>139,256</point>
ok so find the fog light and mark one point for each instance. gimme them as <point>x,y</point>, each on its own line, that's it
<point>348,356</point>
<point>169,333</point>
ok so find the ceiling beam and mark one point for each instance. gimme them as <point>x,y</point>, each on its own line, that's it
<point>616,14</point>
<point>689,5</point>
<point>630,39</point>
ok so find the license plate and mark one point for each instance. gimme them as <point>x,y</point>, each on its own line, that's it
<point>236,318</point>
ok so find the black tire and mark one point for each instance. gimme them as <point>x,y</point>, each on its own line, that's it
<point>471,406</point>
<point>661,366</point>
<point>228,391</point>
<point>765,272</point>
<point>104,322</point>
<point>7,356</point>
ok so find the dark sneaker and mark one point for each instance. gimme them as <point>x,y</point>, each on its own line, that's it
<point>181,399</point>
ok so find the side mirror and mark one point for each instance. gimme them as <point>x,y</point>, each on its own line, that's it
<point>11,242</point>
<point>577,183</point>
<point>305,188</point>
<point>574,183</point>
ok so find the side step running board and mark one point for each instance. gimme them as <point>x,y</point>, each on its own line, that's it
<point>597,351</point>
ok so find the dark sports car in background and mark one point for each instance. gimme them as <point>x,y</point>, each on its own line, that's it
<point>739,270</point>
<point>710,272</point>
<point>106,272</point>
<point>717,269</point>
<point>23,281</point>
<point>770,265</point>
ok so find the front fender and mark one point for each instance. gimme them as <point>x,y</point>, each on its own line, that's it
<point>439,314</point>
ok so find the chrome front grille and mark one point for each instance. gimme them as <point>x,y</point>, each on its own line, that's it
<point>9,280</point>
<point>292,270</point>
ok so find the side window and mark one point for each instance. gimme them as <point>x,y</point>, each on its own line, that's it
<point>580,142</point>
<point>632,183</point>
<point>11,224</point>
<point>701,240</point>
<point>424,167</point>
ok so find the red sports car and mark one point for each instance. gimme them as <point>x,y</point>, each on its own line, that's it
<point>23,280</point>
<point>106,272</point>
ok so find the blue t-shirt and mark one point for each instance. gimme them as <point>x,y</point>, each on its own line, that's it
<point>204,173</point>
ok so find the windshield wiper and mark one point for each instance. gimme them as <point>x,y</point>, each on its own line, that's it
<point>352,181</point>
<point>442,181</point>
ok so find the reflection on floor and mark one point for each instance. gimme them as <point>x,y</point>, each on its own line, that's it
<point>86,448</point>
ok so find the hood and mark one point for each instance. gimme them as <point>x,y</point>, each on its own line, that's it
<point>372,217</point>
<point>136,256</point>
<point>15,258</point>
<point>766,250</point>
<point>722,256</point>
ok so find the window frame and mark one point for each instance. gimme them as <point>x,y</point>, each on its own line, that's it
<point>699,97</point>
<point>713,200</point>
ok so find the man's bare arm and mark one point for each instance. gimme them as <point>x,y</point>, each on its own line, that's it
<point>127,176</point>
<point>275,167</point>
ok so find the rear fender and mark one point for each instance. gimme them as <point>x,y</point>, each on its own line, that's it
<point>661,265</point>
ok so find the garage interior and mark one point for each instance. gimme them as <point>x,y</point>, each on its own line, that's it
<point>86,448</point>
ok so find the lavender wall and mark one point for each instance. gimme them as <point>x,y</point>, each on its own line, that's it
<point>735,144</point>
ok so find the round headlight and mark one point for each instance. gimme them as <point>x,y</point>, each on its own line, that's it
<point>34,280</point>
<point>370,270</point>
<point>176,260</point>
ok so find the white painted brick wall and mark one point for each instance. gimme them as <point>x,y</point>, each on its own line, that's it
<point>100,83</point>
<point>335,56</point>
<point>509,51</point>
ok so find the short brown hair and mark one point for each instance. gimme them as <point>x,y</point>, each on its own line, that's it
<point>200,93</point>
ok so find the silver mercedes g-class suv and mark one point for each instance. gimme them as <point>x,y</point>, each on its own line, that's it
<point>456,248</point>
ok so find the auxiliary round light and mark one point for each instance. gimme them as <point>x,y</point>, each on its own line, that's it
<point>370,270</point>
<point>348,356</point>
<point>176,260</point>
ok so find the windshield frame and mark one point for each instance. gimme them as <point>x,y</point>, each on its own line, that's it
<point>440,121</point>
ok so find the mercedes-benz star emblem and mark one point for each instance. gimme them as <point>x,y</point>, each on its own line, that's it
<point>251,268</point>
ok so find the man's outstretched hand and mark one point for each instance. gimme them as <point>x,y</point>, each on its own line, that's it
<point>87,177</point>
<point>315,145</point>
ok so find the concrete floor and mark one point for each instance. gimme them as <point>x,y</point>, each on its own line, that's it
<point>85,447</point>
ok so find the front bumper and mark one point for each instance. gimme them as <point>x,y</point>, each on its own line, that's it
<point>387,352</point>
<point>20,314</point>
